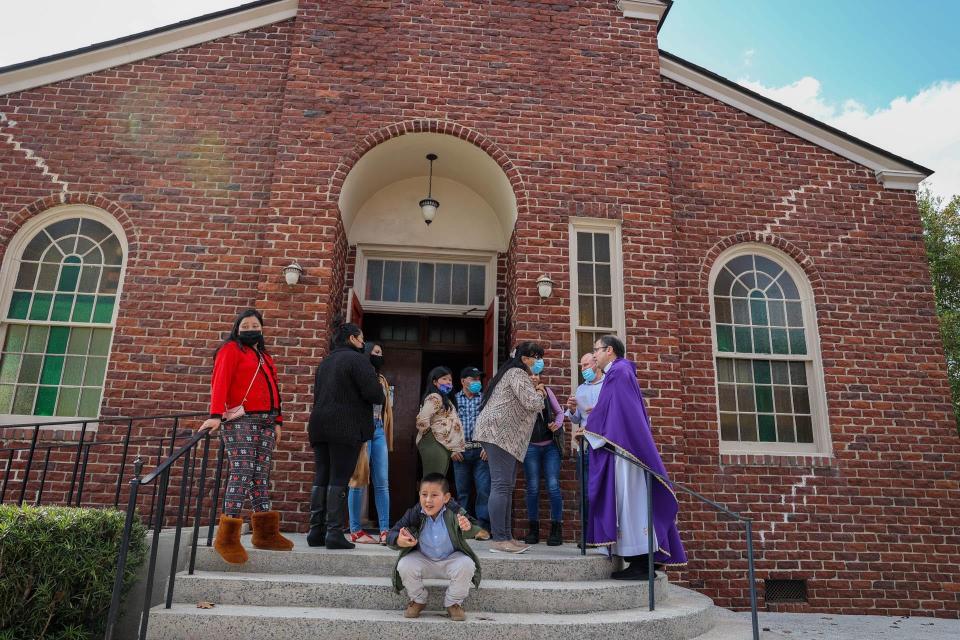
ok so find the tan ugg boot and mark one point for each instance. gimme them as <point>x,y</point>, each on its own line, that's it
<point>266,532</point>
<point>227,542</point>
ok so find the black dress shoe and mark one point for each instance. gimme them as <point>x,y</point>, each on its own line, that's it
<point>636,571</point>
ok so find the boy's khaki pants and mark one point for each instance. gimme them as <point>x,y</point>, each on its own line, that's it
<point>458,568</point>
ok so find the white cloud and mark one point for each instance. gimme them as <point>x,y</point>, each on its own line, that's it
<point>924,128</point>
<point>748,57</point>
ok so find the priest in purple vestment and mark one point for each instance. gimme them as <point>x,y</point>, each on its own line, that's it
<point>617,488</point>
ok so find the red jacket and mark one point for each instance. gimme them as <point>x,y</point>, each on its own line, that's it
<point>233,369</point>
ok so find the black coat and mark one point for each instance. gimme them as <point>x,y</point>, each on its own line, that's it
<point>344,392</point>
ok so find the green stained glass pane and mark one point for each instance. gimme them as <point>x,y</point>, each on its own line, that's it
<point>745,398</point>
<point>37,340</point>
<point>725,370</point>
<point>798,343</point>
<point>79,338</point>
<point>724,337</point>
<point>67,402</point>
<point>52,368</point>
<point>110,281</point>
<point>779,341</point>
<point>742,335</point>
<point>61,308</point>
<point>798,373</point>
<point>104,309</point>
<point>69,274</point>
<point>30,369</point>
<point>23,400</point>
<point>778,316</point>
<point>89,402</point>
<point>46,401</point>
<point>19,305</point>
<point>47,281</point>
<point>764,399</point>
<point>761,340</point>
<point>728,427</point>
<point>761,371</point>
<point>748,427</point>
<point>794,314</point>
<point>26,276</point>
<point>40,309</point>
<point>741,311</point>
<point>758,309</point>
<point>785,431</point>
<point>83,309</point>
<point>89,279</point>
<point>9,365</point>
<point>6,397</point>
<point>768,428</point>
<point>100,342</point>
<point>73,370</point>
<point>95,370</point>
<point>16,337</point>
<point>58,340</point>
<point>804,429</point>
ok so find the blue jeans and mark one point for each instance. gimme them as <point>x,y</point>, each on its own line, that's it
<point>546,458</point>
<point>473,471</point>
<point>377,453</point>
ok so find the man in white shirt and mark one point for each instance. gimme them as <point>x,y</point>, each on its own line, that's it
<point>581,404</point>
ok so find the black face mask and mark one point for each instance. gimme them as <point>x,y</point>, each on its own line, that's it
<point>376,361</point>
<point>250,338</point>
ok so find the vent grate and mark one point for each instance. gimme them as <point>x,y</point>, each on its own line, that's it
<point>785,590</point>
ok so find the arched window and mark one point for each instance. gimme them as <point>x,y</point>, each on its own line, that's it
<point>61,285</point>
<point>769,377</point>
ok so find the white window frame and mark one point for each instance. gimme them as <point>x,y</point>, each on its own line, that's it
<point>367,252</point>
<point>822,444</point>
<point>8,278</point>
<point>612,228</point>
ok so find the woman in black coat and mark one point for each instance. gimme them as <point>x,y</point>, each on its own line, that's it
<point>344,393</point>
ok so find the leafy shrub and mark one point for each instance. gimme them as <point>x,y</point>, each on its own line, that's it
<point>57,567</point>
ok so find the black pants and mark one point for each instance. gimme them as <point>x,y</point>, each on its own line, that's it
<point>334,463</point>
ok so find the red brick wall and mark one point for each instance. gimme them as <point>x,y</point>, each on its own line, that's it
<point>875,528</point>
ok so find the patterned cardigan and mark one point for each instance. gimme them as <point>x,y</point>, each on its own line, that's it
<point>508,417</point>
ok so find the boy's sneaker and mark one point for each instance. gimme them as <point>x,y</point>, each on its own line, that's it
<point>413,609</point>
<point>483,534</point>
<point>456,613</point>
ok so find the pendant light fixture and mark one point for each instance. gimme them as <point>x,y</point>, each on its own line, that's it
<point>428,206</point>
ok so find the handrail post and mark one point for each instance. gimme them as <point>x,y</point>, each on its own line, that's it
<point>216,495</point>
<point>163,480</point>
<point>6,475</point>
<point>26,471</point>
<point>76,462</point>
<point>153,495</point>
<point>199,510</point>
<point>43,475</point>
<point>651,571</point>
<point>124,546</point>
<point>176,537</point>
<point>123,462</point>
<point>83,472</point>
<point>753,582</point>
<point>583,496</point>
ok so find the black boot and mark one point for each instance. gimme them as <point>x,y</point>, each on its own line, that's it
<point>636,571</point>
<point>533,536</point>
<point>336,518</point>
<point>555,539</point>
<point>318,517</point>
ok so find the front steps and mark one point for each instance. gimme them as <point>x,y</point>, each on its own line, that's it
<point>547,593</point>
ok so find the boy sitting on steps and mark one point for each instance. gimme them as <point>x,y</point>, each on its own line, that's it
<point>432,537</point>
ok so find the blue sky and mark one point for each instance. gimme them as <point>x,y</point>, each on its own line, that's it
<point>883,70</point>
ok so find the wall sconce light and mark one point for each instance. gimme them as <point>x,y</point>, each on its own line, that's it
<point>428,206</point>
<point>544,286</point>
<point>291,273</point>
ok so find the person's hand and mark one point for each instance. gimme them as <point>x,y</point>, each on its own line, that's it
<point>541,389</point>
<point>405,539</point>
<point>464,522</point>
<point>483,454</point>
<point>276,434</point>
<point>572,404</point>
<point>457,456</point>
<point>553,426</point>
<point>211,424</point>
<point>587,411</point>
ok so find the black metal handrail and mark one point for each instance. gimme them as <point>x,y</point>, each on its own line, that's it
<point>160,478</point>
<point>649,475</point>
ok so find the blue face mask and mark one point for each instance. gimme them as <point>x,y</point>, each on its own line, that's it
<point>589,375</point>
<point>445,388</point>
<point>537,366</point>
<point>475,387</point>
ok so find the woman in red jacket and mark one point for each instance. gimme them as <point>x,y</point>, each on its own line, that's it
<point>244,376</point>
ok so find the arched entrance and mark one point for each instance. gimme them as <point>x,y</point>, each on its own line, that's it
<point>428,293</point>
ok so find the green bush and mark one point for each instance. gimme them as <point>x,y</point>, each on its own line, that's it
<point>57,566</point>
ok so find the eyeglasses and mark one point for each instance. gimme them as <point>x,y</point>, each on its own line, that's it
<point>595,349</point>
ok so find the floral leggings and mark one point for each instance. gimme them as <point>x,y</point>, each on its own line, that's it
<point>249,443</point>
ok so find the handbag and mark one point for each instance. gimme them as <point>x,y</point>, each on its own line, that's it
<point>238,411</point>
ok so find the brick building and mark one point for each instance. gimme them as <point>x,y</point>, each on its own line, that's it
<point>766,271</point>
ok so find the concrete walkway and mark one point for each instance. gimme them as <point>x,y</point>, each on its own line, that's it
<point>824,626</point>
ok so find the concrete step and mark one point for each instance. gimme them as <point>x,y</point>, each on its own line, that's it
<point>563,563</point>
<point>684,616</point>
<point>502,596</point>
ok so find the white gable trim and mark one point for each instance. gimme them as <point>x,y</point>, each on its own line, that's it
<point>892,174</point>
<point>146,47</point>
<point>643,9</point>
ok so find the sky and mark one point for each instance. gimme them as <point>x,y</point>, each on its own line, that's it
<point>885,71</point>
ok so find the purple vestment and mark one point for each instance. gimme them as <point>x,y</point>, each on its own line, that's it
<point>620,419</point>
